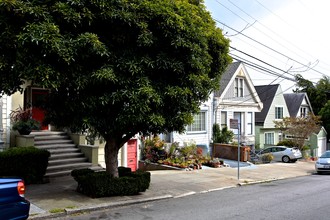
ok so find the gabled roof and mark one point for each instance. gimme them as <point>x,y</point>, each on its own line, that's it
<point>294,101</point>
<point>266,94</point>
<point>227,80</point>
<point>227,76</point>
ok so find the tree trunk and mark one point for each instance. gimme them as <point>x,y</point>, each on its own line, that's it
<point>111,157</point>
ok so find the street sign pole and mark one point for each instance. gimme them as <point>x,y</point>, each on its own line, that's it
<point>235,125</point>
<point>238,153</point>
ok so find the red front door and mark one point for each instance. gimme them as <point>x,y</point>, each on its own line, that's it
<point>38,99</point>
<point>132,154</point>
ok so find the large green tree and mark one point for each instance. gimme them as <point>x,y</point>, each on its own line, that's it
<point>318,93</point>
<point>319,96</point>
<point>118,67</point>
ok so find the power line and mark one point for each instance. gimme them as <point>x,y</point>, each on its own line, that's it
<point>261,61</point>
<point>270,48</point>
<point>273,32</point>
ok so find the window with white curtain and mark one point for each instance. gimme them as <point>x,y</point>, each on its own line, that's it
<point>269,138</point>
<point>199,123</point>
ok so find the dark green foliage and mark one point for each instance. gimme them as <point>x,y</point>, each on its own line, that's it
<point>224,136</point>
<point>118,67</point>
<point>216,133</point>
<point>325,117</point>
<point>102,184</point>
<point>80,172</point>
<point>124,171</point>
<point>28,163</point>
<point>319,97</point>
<point>287,143</point>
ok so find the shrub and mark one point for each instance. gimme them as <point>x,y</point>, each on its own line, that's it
<point>28,163</point>
<point>267,157</point>
<point>124,171</point>
<point>287,143</point>
<point>102,184</point>
<point>154,150</point>
<point>222,136</point>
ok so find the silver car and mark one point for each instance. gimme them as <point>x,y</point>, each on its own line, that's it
<point>323,163</point>
<point>282,153</point>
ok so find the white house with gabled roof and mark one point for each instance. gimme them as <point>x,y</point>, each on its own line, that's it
<point>236,99</point>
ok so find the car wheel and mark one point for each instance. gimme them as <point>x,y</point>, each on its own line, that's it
<point>285,159</point>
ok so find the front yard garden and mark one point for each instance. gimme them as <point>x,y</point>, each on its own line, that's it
<point>187,157</point>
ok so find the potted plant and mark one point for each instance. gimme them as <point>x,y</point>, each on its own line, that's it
<point>23,122</point>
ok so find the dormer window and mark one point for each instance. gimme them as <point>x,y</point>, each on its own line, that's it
<point>238,87</point>
<point>278,112</point>
<point>303,112</point>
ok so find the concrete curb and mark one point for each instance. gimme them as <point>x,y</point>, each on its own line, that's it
<point>97,207</point>
<point>136,201</point>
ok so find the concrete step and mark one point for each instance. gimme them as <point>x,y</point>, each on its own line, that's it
<point>63,150</point>
<point>56,146</point>
<point>66,155</point>
<point>50,137</point>
<point>68,172</point>
<point>47,133</point>
<point>53,142</point>
<point>71,166</point>
<point>66,161</point>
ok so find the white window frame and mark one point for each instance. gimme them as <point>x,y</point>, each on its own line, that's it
<point>249,122</point>
<point>199,124</point>
<point>266,138</point>
<point>223,119</point>
<point>239,90</point>
<point>277,116</point>
<point>303,112</point>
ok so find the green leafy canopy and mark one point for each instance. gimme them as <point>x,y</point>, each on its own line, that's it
<point>121,67</point>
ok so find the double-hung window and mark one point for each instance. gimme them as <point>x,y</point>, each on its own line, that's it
<point>239,87</point>
<point>303,112</point>
<point>278,112</point>
<point>269,138</point>
<point>249,129</point>
<point>199,124</point>
<point>223,119</point>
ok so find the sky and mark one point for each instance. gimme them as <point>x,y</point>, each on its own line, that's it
<point>278,39</point>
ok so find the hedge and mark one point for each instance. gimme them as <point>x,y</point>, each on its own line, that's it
<point>101,184</point>
<point>28,163</point>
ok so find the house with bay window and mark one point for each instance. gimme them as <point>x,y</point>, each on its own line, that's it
<point>235,99</point>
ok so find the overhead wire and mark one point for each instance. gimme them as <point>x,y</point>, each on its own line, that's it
<point>308,67</point>
<point>264,45</point>
<point>273,32</point>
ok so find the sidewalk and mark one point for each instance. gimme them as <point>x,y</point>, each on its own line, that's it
<point>59,198</point>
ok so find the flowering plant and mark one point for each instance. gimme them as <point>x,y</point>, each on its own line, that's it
<point>23,122</point>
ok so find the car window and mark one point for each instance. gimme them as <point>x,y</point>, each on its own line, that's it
<point>266,151</point>
<point>325,155</point>
<point>278,149</point>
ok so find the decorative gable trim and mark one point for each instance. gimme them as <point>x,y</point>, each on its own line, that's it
<point>250,98</point>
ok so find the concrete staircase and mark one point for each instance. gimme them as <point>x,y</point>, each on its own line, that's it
<point>65,155</point>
